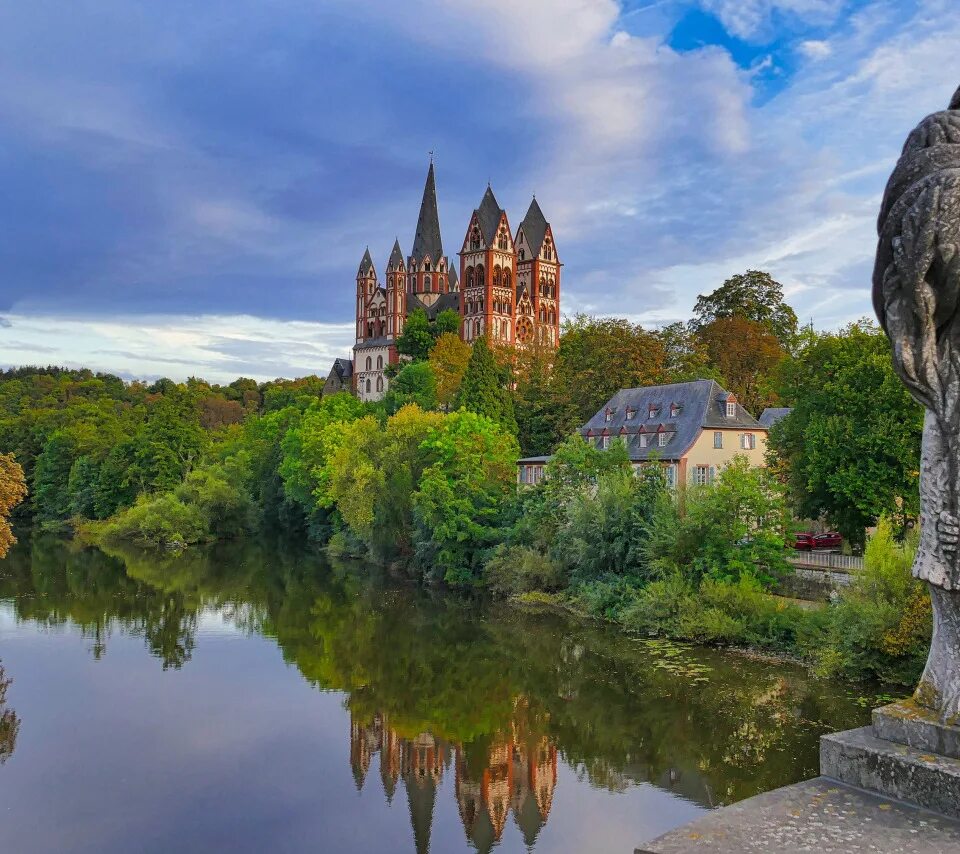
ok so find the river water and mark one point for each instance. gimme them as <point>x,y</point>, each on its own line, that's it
<point>258,698</point>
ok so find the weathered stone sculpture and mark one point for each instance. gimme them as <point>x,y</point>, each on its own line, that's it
<point>916,294</point>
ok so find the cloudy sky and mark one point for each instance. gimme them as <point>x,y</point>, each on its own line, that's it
<point>187,188</point>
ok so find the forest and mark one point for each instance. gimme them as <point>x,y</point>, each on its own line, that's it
<point>424,481</point>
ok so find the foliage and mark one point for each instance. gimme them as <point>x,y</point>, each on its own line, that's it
<point>747,356</point>
<point>448,360</point>
<point>882,623</point>
<point>13,489</point>
<point>534,403</point>
<point>753,296</point>
<point>598,357</point>
<point>513,570</point>
<point>686,356</point>
<point>415,383</point>
<point>734,527</point>
<point>160,520</point>
<point>420,333</point>
<point>484,388</point>
<point>461,493</point>
<point>851,447</point>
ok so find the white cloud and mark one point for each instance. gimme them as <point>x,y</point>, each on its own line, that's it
<point>749,19</point>
<point>218,348</point>
<point>815,49</point>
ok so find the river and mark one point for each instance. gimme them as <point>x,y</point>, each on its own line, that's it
<point>259,698</point>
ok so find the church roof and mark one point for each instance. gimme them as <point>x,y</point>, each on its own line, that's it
<point>488,215</point>
<point>452,277</point>
<point>427,239</point>
<point>396,256</point>
<point>534,227</point>
<point>366,263</point>
<point>449,300</point>
<point>700,405</point>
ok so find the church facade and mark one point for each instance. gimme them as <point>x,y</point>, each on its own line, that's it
<point>505,286</point>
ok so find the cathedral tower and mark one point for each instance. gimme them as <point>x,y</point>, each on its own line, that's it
<point>396,291</point>
<point>428,269</point>
<point>538,280</point>
<point>488,270</point>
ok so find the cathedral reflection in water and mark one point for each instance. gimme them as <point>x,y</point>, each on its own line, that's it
<point>514,772</point>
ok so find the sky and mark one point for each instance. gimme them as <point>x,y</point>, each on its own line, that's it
<point>188,188</point>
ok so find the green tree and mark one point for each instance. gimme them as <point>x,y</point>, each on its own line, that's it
<point>171,442</point>
<point>415,383</point>
<point>461,494</point>
<point>484,388</point>
<point>850,449</point>
<point>51,477</point>
<point>447,323</point>
<point>449,358</point>
<point>82,487</point>
<point>596,358</point>
<point>417,337</point>
<point>686,354</point>
<point>753,295</point>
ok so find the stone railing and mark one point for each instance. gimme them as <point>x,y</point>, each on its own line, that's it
<point>827,560</point>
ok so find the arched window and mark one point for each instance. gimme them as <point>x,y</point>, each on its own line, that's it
<point>502,239</point>
<point>476,329</point>
<point>426,266</point>
<point>469,277</point>
<point>369,363</point>
<point>368,386</point>
<point>475,238</point>
<point>480,279</point>
<point>380,383</point>
<point>379,363</point>
<point>506,277</point>
<point>496,276</point>
<point>428,283</point>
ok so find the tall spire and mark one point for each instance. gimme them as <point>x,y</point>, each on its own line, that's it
<point>366,264</point>
<point>488,213</point>
<point>396,256</point>
<point>534,227</point>
<point>427,239</point>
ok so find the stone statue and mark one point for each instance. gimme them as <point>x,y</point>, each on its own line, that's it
<point>916,294</point>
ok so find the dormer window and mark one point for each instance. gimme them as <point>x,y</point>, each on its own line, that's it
<point>652,412</point>
<point>662,439</point>
<point>674,410</point>
<point>731,408</point>
<point>608,414</point>
<point>643,440</point>
<point>630,413</point>
<point>605,442</point>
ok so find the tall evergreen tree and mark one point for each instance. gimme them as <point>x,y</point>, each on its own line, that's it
<point>484,388</point>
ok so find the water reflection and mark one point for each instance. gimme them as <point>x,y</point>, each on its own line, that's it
<point>458,704</point>
<point>9,722</point>
<point>514,772</point>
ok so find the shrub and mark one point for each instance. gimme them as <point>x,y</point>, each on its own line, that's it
<point>881,625</point>
<point>520,569</point>
<point>163,520</point>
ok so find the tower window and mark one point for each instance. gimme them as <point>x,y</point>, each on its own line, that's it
<point>369,363</point>
<point>379,363</point>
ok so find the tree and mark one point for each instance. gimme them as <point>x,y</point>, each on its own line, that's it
<point>747,356</point>
<point>533,398</point>
<point>686,354</point>
<point>596,358</point>
<point>171,442</point>
<point>13,489</point>
<point>448,359</point>
<point>447,323</point>
<point>461,494</point>
<point>415,383</point>
<point>417,337</point>
<point>851,447</point>
<point>753,295</point>
<point>484,388</point>
<point>51,477</point>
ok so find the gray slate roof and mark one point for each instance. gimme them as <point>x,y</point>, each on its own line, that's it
<point>396,257</point>
<point>449,300</point>
<point>366,263</point>
<point>488,215</point>
<point>772,414</point>
<point>702,405</point>
<point>427,239</point>
<point>452,276</point>
<point>534,226</point>
<point>343,368</point>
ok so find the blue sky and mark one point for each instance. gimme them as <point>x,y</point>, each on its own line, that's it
<point>188,188</point>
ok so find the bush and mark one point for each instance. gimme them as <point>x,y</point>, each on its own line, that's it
<point>881,625</point>
<point>163,520</point>
<point>520,569</point>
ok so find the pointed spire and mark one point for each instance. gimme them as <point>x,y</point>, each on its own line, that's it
<point>427,239</point>
<point>534,227</point>
<point>488,215</point>
<point>366,264</point>
<point>396,256</point>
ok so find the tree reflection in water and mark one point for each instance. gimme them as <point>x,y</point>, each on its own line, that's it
<point>9,722</point>
<point>436,684</point>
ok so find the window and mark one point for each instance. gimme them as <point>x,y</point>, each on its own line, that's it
<point>608,414</point>
<point>731,409</point>
<point>506,277</point>
<point>674,410</point>
<point>428,283</point>
<point>717,439</point>
<point>630,413</point>
<point>671,476</point>
<point>662,439</point>
<point>369,364</point>
<point>748,441</point>
<point>469,277</point>
<point>380,383</point>
<point>523,254</point>
<point>643,439</point>
<point>604,442</point>
<point>652,412</point>
<point>368,386</point>
<point>701,475</point>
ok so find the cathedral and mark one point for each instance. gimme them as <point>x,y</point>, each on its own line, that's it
<point>508,289</point>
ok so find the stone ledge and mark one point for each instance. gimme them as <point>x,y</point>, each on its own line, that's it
<point>818,815</point>
<point>857,757</point>
<point>910,724</point>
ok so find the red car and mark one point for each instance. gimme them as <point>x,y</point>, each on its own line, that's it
<point>809,542</point>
